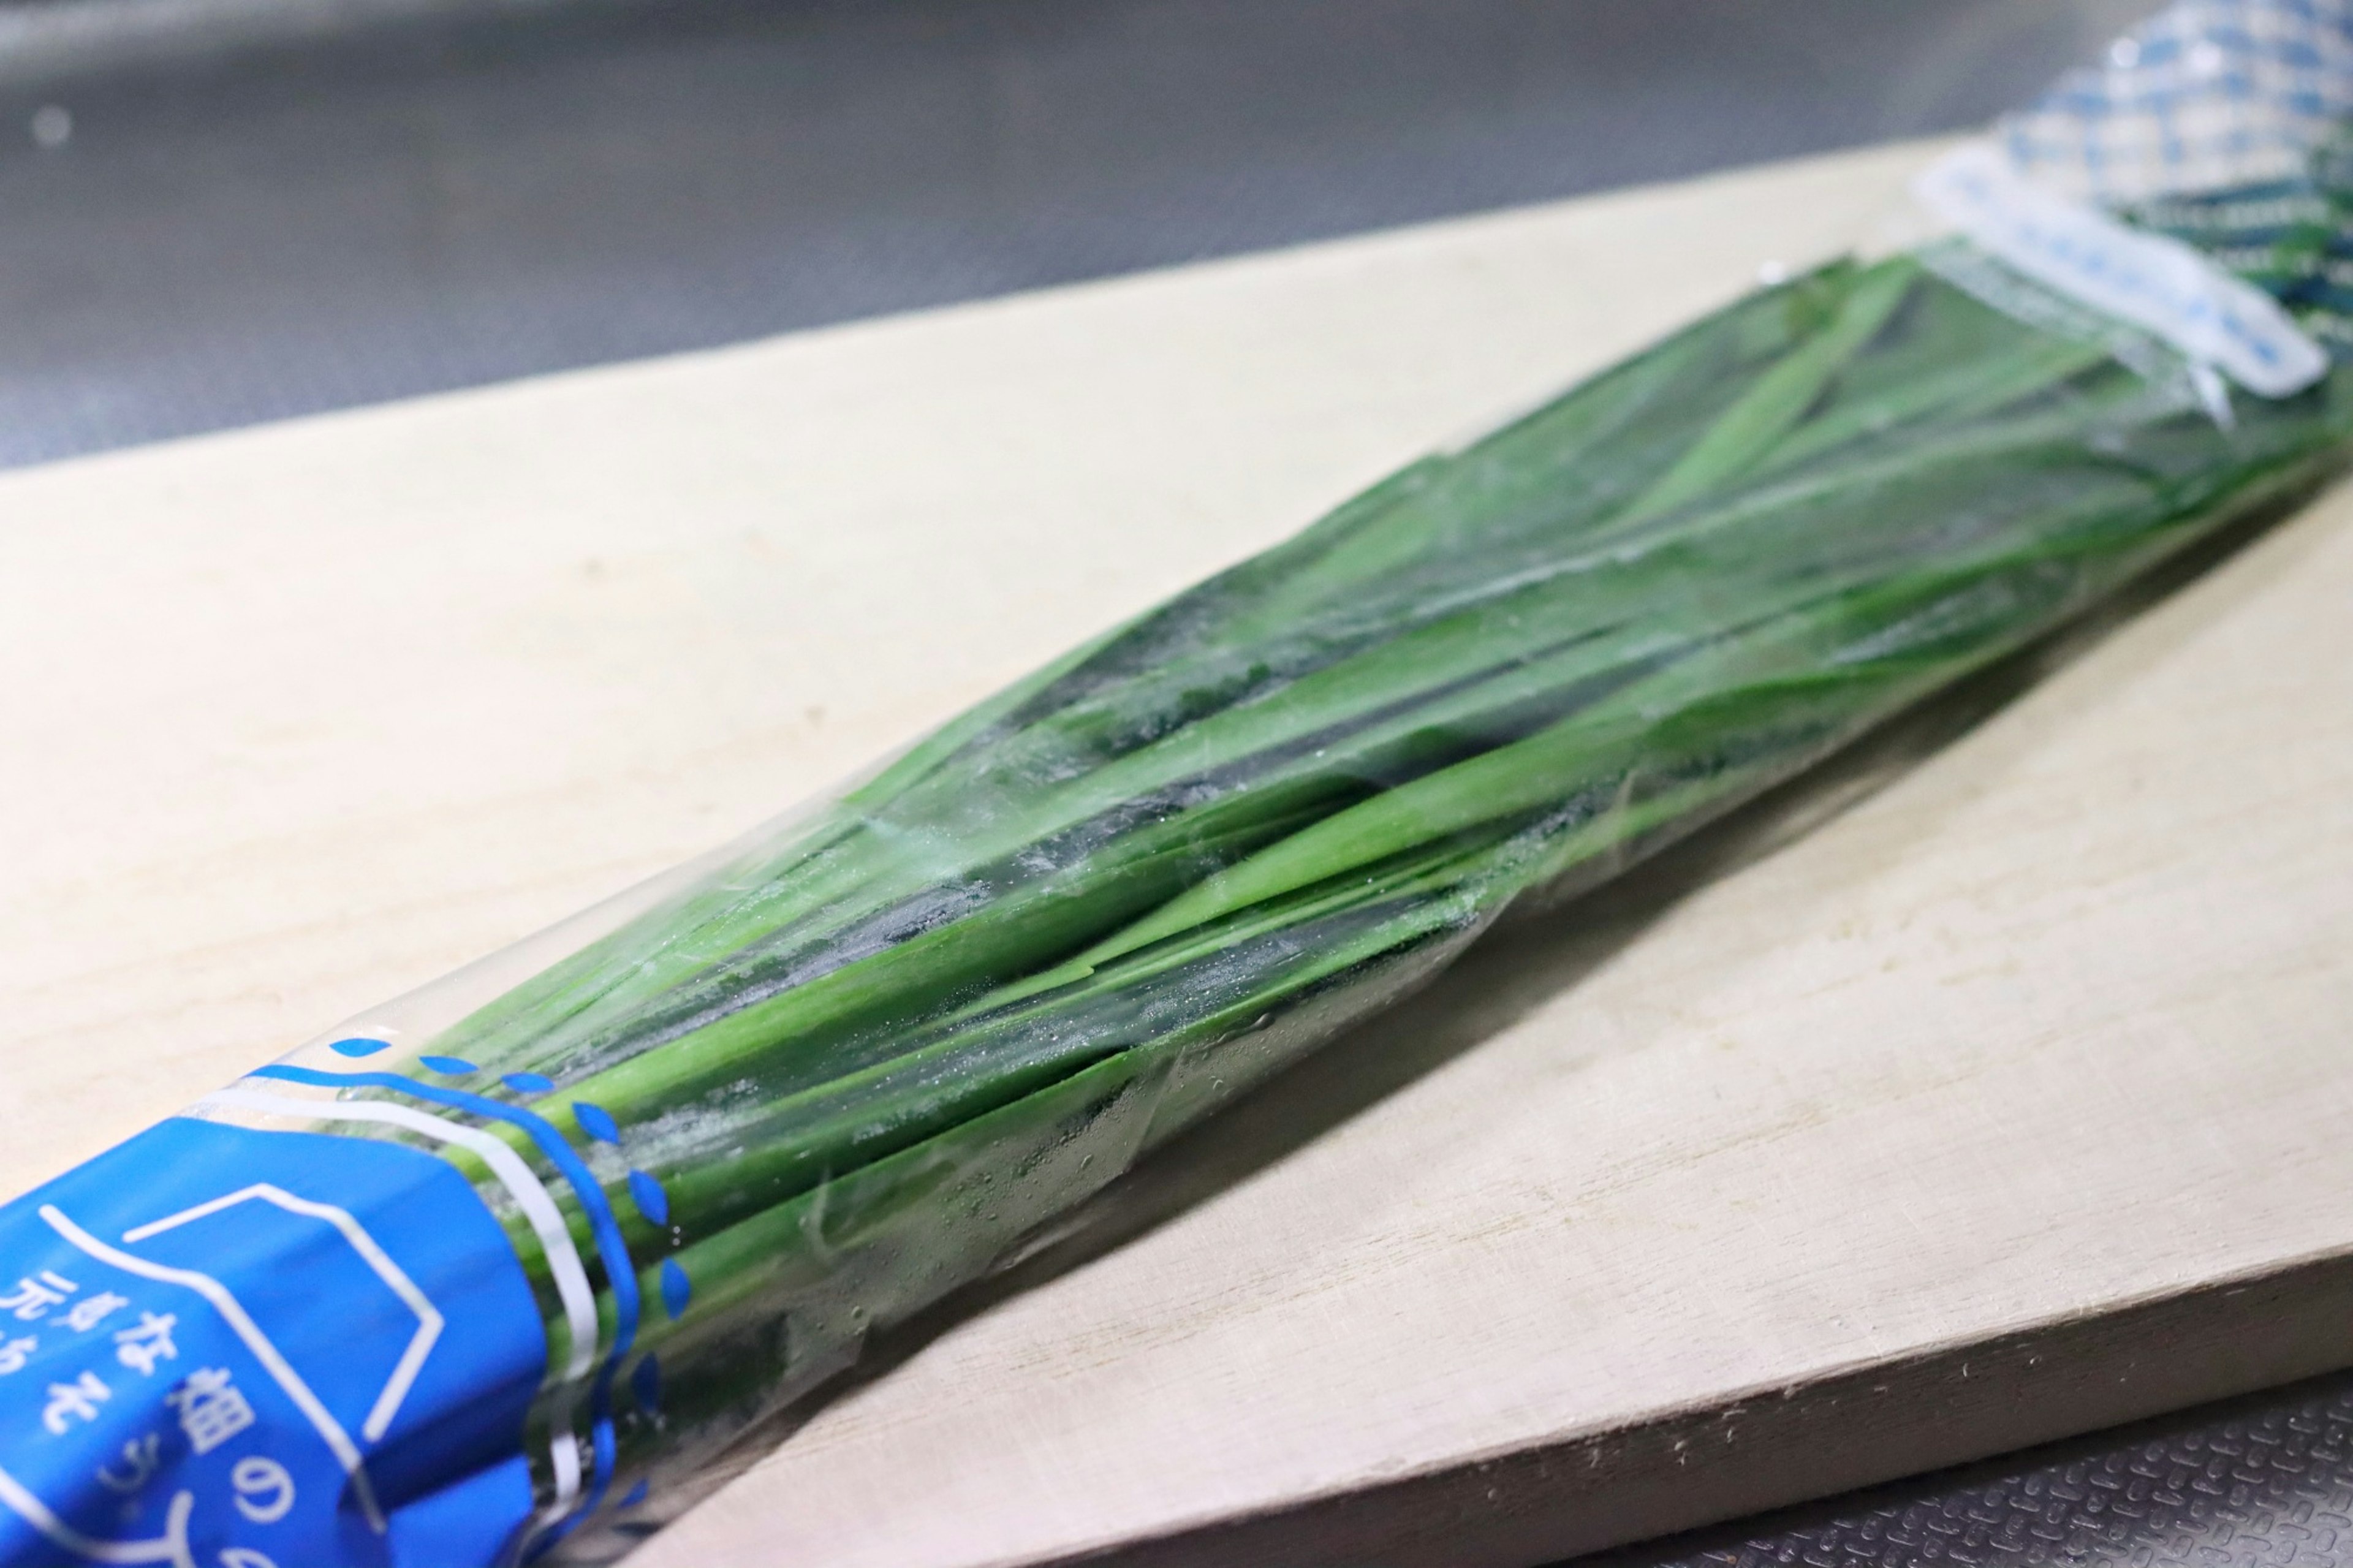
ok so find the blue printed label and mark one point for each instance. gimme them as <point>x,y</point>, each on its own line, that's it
<point>2147,279</point>
<point>240,1349</point>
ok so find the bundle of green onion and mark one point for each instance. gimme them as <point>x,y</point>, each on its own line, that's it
<point>858,1062</point>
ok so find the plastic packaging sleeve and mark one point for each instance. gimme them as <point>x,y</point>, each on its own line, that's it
<point>500,1269</point>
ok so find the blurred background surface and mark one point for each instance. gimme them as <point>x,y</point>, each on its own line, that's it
<point>218,212</point>
<point>224,211</point>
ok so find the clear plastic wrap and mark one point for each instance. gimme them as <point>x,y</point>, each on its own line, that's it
<point>499,1270</point>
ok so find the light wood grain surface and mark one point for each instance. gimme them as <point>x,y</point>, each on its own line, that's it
<point>2012,1098</point>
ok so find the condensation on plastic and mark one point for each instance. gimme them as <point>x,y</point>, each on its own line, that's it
<point>811,1084</point>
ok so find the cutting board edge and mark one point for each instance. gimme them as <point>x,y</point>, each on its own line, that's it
<point>1857,1428</point>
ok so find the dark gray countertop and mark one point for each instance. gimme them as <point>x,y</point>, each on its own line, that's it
<point>264,207</point>
<point>224,211</point>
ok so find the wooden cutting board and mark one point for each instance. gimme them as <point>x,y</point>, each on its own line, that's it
<point>2011,1098</point>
